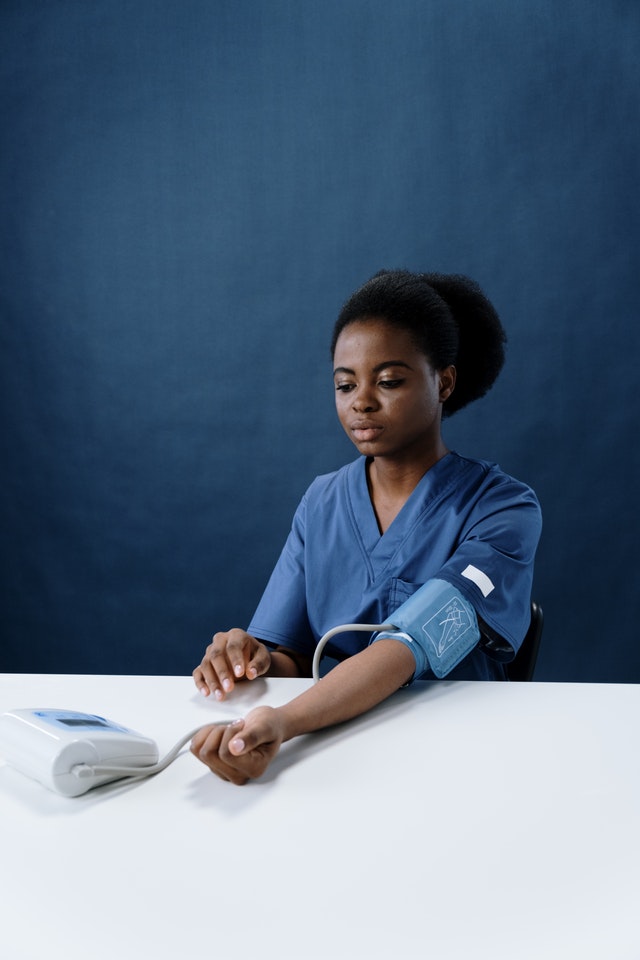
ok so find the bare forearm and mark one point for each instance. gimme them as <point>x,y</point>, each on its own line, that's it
<point>244,749</point>
<point>350,689</point>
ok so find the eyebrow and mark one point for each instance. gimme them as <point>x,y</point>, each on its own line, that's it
<point>377,369</point>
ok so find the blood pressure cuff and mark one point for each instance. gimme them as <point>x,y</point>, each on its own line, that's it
<point>438,625</point>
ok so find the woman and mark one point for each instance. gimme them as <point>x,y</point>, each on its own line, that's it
<point>410,534</point>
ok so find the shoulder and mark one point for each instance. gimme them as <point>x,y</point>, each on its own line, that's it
<point>489,476</point>
<point>493,496</point>
<point>335,483</point>
<point>330,494</point>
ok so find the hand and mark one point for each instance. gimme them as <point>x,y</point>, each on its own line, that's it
<point>235,655</point>
<point>244,749</point>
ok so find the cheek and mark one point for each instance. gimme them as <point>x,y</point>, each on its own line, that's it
<point>342,405</point>
<point>419,410</point>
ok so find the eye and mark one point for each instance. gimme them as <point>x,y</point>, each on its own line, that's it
<point>390,384</point>
<point>344,387</point>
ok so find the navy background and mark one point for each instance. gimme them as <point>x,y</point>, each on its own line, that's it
<point>190,190</point>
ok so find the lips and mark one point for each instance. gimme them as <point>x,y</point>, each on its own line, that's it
<point>365,430</point>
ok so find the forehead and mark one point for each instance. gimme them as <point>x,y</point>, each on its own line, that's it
<point>374,340</point>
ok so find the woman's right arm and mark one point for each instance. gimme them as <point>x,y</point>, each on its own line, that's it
<point>236,655</point>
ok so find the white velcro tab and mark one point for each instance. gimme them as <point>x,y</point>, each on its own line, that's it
<point>480,579</point>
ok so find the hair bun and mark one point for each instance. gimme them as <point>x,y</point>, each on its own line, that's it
<point>482,339</point>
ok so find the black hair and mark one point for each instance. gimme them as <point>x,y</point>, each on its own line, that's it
<point>449,318</point>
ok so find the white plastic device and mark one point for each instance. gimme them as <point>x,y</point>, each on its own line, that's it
<point>72,752</point>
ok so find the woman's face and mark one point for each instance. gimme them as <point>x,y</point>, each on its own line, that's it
<point>388,396</point>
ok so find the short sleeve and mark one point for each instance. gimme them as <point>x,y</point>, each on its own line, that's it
<point>492,565</point>
<point>281,616</point>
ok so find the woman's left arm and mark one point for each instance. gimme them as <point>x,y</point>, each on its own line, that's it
<point>244,749</point>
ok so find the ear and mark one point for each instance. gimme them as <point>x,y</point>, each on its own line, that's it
<point>447,382</point>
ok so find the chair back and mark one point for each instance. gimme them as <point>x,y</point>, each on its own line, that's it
<point>523,666</point>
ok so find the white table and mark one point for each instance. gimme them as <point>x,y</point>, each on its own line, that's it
<point>459,820</point>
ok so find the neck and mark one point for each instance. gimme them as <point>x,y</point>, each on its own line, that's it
<point>399,475</point>
<point>391,483</point>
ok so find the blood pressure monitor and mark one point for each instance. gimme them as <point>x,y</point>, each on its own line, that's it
<point>71,752</point>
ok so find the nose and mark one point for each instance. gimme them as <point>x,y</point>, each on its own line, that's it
<point>363,401</point>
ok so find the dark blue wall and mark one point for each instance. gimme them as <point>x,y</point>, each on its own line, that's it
<point>191,189</point>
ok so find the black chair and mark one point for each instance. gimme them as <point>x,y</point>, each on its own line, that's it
<point>524,664</point>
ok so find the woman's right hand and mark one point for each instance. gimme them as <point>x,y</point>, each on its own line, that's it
<point>231,656</point>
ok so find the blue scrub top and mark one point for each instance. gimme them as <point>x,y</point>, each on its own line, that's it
<point>464,515</point>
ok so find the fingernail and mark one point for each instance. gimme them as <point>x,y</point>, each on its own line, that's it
<point>227,685</point>
<point>252,673</point>
<point>237,745</point>
<point>204,691</point>
<point>218,694</point>
<point>238,670</point>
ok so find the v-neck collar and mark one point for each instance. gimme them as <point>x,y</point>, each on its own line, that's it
<point>378,549</point>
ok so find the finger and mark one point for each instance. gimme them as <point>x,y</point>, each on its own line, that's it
<point>238,652</point>
<point>205,745</point>
<point>216,668</point>
<point>247,763</point>
<point>204,675</point>
<point>259,728</point>
<point>200,682</point>
<point>259,664</point>
<point>207,735</point>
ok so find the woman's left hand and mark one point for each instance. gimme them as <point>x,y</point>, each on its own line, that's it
<point>242,750</point>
